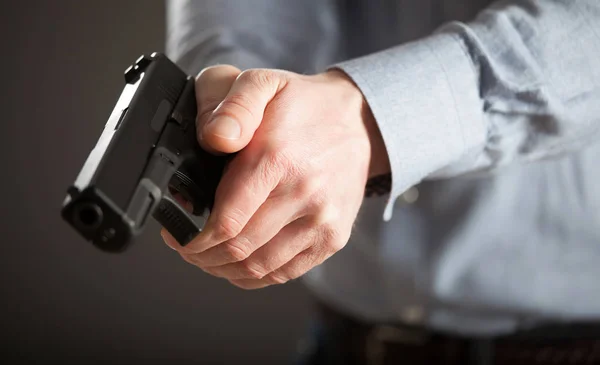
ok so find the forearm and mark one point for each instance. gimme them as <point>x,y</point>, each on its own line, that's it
<point>516,84</point>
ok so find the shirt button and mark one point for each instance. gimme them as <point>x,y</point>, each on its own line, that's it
<point>412,314</point>
<point>411,195</point>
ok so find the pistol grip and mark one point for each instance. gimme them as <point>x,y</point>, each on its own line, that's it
<point>176,221</point>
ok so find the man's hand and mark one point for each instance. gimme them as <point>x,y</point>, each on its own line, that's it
<point>288,200</point>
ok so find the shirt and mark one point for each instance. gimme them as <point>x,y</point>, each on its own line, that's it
<point>490,114</point>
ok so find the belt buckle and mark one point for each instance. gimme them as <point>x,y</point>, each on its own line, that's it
<point>379,336</point>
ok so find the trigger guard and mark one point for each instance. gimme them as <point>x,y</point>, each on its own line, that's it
<point>190,191</point>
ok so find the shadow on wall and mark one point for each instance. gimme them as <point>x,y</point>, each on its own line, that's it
<point>63,300</point>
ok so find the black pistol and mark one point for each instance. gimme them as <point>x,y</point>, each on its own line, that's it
<point>148,149</point>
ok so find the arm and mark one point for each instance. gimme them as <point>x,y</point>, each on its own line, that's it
<point>516,84</point>
<point>300,36</point>
<point>520,83</point>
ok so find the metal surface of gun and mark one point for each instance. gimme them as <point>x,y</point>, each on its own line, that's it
<point>148,148</point>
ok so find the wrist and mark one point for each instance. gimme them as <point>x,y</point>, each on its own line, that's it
<point>379,162</point>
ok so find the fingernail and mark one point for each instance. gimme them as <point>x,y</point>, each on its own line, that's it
<point>167,240</point>
<point>224,127</point>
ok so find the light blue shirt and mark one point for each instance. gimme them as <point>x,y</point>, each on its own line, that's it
<point>490,113</point>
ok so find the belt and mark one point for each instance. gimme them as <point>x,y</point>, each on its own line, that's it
<point>351,342</point>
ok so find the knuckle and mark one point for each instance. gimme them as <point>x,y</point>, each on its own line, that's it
<point>261,78</point>
<point>235,104</point>
<point>273,164</point>
<point>318,253</point>
<point>271,167</point>
<point>332,237</point>
<point>211,271</point>
<point>336,245</point>
<point>309,186</point>
<point>228,227</point>
<point>278,278</point>
<point>188,258</point>
<point>234,251</point>
<point>250,270</point>
<point>272,148</point>
<point>328,216</point>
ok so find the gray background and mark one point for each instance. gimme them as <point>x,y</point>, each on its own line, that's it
<point>63,300</point>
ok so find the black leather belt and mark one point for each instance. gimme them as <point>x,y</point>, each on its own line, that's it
<point>351,342</point>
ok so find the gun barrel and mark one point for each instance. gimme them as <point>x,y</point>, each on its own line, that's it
<point>109,202</point>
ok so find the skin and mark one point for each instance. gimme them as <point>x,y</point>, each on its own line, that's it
<point>288,200</point>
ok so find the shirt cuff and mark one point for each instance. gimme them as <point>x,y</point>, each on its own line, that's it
<point>424,96</point>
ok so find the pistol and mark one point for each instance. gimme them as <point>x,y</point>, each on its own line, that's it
<point>147,151</point>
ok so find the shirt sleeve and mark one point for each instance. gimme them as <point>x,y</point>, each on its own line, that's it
<point>519,83</point>
<point>301,36</point>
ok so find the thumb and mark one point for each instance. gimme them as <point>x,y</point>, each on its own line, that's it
<point>212,85</point>
<point>233,123</point>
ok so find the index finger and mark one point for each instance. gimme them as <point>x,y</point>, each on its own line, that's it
<point>244,187</point>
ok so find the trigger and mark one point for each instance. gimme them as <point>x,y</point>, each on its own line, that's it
<point>176,221</point>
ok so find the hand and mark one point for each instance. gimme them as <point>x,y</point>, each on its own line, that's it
<point>289,199</point>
